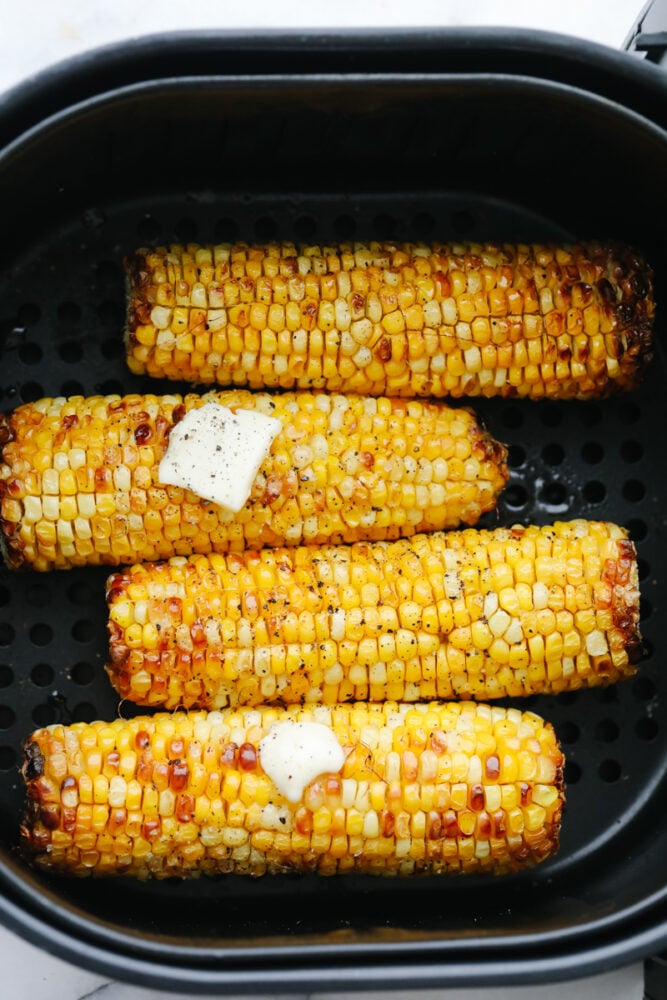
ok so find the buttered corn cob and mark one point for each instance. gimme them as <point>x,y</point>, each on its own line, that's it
<point>444,788</point>
<point>394,319</point>
<point>79,477</point>
<point>470,614</point>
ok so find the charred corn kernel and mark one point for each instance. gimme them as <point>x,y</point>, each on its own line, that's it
<point>339,470</point>
<point>396,319</point>
<point>368,621</point>
<point>156,821</point>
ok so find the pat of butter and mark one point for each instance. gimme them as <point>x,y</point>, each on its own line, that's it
<point>216,453</point>
<point>295,753</point>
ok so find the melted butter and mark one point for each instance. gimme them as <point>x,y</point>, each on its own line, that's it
<point>217,454</point>
<point>293,754</point>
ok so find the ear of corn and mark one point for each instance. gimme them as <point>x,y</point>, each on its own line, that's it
<point>79,477</point>
<point>394,319</point>
<point>444,788</point>
<point>470,614</point>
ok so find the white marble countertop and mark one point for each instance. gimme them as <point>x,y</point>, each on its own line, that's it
<point>38,34</point>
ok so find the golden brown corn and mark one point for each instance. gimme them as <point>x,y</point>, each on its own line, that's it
<point>470,614</point>
<point>394,319</point>
<point>79,477</point>
<point>423,789</point>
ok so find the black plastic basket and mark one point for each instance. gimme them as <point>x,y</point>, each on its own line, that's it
<point>453,135</point>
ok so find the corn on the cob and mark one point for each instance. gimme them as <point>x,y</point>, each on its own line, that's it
<point>79,477</point>
<point>470,614</point>
<point>394,319</point>
<point>422,789</point>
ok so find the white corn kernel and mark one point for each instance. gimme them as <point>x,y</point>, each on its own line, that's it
<point>161,317</point>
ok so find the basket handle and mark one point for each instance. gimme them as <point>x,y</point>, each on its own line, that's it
<point>648,36</point>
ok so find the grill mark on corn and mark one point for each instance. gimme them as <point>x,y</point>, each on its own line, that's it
<point>139,277</point>
<point>625,614</point>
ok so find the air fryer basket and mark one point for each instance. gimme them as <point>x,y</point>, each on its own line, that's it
<point>323,157</point>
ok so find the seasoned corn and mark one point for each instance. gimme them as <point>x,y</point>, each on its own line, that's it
<point>470,614</point>
<point>423,789</point>
<point>79,477</point>
<point>394,319</point>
